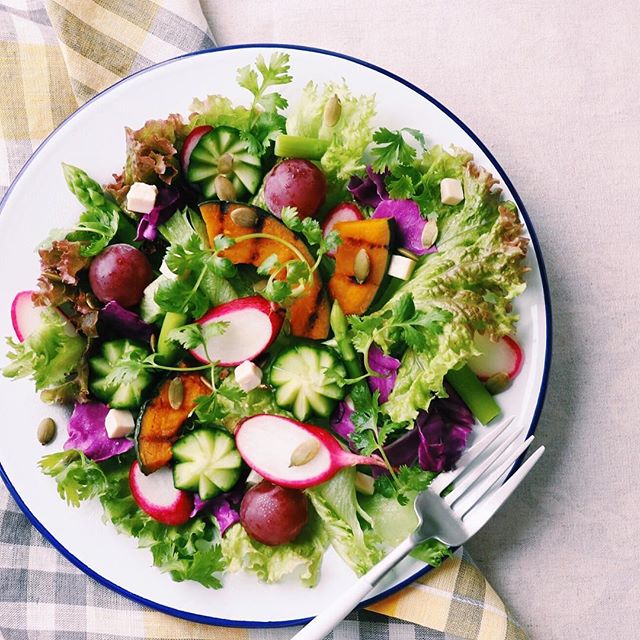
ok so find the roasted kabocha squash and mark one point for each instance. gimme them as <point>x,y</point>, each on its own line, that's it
<point>309,314</point>
<point>362,261</point>
<point>159,423</point>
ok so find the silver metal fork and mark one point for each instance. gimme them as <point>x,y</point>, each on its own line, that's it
<point>453,518</point>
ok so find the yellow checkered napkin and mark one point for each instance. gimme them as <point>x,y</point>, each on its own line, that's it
<point>55,55</point>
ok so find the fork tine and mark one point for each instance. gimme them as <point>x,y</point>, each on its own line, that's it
<point>484,484</point>
<point>470,478</point>
<point>480,514</point>
<point>442,481</point>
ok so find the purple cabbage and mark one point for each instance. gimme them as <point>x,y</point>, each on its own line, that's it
<point>409,221</point>
<point>167,201</point>
<point>370,191</point>
<point>224,508</point>
<point>387,367</point>
<point>88,434</point>
<point>125,323</point>
<point>341,420</point>
<point>439,437</point>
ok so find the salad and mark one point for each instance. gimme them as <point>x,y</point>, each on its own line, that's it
<point>274,327</point>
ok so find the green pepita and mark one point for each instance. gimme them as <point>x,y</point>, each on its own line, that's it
<point>361,266</point>
<point>429,234</point>
<point>224,188</point>
<point>46,431</point>
<point>332,111</point>
<point>306,451</point>
<point>244,217</point>
<point>176,393</point>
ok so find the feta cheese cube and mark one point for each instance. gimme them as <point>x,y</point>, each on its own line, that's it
<point>451,191</point>
<point>141,197</point>
<point>401,267</point>
<point>119,423</point>
<point>248,376</point>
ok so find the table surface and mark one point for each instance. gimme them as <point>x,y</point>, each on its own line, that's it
<point>553,89</point>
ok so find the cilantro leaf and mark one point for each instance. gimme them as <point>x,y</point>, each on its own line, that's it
<point>393,149</point>
<point>273,73</point>
<point>95,230</point>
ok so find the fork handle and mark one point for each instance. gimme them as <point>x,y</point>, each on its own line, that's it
<point>325,621</point>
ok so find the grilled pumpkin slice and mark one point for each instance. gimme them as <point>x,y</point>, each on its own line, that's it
<point>159,424</point>
<point>376,237</point>
<point>309,314</point>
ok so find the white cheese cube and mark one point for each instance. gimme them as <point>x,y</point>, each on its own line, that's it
<point>119,423</point>
<point>141,197</point>
<point>401,267</point>
<point>248,376</point>
<point>451,191</point>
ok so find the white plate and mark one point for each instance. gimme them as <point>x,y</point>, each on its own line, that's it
<point>92,138</point>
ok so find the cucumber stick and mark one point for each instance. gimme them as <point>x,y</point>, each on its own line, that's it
<point>300,376</point>
<point>206,461</point>
<point>166,349</point>
<point>474,394</point>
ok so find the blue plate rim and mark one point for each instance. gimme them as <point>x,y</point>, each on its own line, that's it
<point>250,624</point>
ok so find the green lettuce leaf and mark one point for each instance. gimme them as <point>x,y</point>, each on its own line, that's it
<point>50,356</point>
<point>303,556</point>
<point>336,503</point>
<point>188,552</point>
<point>218,111</point>
<point>473,277</point>
<point>348,139</point>
<point>394,522</point>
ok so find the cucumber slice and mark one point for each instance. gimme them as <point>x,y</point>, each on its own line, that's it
<point>111,379</point>
<point>299,375</point>
<point>206,461</point>
<point>222,150</point>
<point>166,349</point>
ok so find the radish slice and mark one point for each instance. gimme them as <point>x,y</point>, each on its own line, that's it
<point>27,318</point>
<point>504,356</point>
<point>268,444</point>
<point>254,323</point>
<point>344,212</point>
<point>190,143</point>
<point>156,495</point>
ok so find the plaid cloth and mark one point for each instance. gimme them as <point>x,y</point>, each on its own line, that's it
<point>54,56</point>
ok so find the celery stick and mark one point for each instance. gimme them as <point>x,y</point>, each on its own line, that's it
<point>300,147</point>
<point>473,394</point>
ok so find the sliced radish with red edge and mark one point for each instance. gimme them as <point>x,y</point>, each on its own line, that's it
<point>156,495</point>
<point>344,212</point>
<point>505,356</point>
<point>26,317</point>
<point>253,324</point>
<point>291,453</point>
<point>190,143</point>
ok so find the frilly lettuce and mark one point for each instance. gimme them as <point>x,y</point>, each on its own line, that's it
<point>347,139</point>
<point>303,556</point>
<point>337,505</point>
<point>50,356</point>
<point>474,276</point>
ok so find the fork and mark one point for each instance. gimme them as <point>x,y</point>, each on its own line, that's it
<point>451,519</point>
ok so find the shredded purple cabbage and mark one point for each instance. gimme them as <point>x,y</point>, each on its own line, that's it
<point>409,221</point>
<point>341,420</point>
<point>387,367</point>
<point>370,191</point>
<point>167,201</point>
<point>224,508</point>
<point>125,323</point>
<point>439,437</point>
<point>88,434</point>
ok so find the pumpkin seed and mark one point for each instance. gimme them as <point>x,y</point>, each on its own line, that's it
<point>176,393</point>
<point>497,383</point>
<point>244,217</point>
<point>429,234</point>
<point>361,266</point>
<point>408,254</point>
<point>224,188</point>
<point>46,431</point>
<point>225,163</point>
<point>332,111</point>
<point>306,451</point>
<point>153,342</point>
